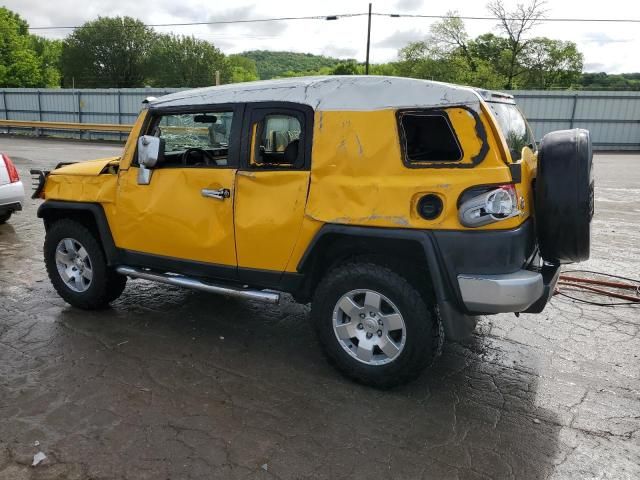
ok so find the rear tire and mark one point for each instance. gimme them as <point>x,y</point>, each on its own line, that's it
<point>77,267</point>
<point>4,218</point>
<point>391,333</point>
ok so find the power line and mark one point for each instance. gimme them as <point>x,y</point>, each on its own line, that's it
<point>351,15</point>
<point>543,19</point>
<point>220,22</point>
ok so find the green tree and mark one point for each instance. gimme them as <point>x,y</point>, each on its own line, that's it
<point>492,49</point>
<point>272,64</point>
<point>49,52</point>
<point>307,73</point>
<point>427,60</point>
<point>515,25</point>
<point>180,61</point>
<point>347,68</point>
<point>551,64</point>
<point>107,52</point>
<point>491,61</point>
<point>449,36</point>
<point>21,55</point>
<point>389,69</point>
<point>243,69</point>
<point>604,81</point>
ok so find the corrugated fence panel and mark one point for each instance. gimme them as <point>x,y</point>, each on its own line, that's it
<point>612,117</point>
<point>58,106</point>
<point>101,105</point>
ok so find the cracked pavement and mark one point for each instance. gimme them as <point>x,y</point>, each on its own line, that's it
<point>171,383</point>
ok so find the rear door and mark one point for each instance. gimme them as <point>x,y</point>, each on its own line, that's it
<point>271,187</point>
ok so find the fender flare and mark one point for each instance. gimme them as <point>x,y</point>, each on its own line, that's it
<point>51,208</point>
<point>457,325</point>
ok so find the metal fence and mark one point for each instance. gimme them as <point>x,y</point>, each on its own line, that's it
<point>612,117</point>
<point>101,105</point>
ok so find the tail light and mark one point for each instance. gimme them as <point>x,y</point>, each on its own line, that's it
<point>482,206</point>
<point>11,169</point>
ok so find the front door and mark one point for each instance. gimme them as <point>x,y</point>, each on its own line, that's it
<point>185,212</point>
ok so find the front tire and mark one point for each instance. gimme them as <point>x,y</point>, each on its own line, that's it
<point>77,267</point>
<point>374,326</point>
<point>4,217</point>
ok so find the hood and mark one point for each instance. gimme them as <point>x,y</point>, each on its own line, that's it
<point>91,167</point>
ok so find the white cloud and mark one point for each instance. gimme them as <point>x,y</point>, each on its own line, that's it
<point>594,67</point>
<point>601,38</point>
<point>400,38</point>
<point>340,52</point>
<point>405,6</point>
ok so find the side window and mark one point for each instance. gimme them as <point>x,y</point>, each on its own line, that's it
<point>514,128</point>
<point>428,137</point>
<point>195,139</point>
<point>277,141</point>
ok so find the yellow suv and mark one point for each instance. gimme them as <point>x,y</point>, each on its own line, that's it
<point>399,208</point>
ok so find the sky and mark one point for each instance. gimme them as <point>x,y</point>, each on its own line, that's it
<point>609,47</point>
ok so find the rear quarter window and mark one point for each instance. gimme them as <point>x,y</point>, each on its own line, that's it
<point>514,127</point>
<point>428,137</point>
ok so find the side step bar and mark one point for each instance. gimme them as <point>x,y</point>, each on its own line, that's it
<point>181,281</point>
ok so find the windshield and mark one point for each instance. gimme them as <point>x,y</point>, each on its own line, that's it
<point>514,128</point>
<point>209,131</point>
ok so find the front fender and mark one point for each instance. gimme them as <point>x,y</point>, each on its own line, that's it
<point>52,210</point>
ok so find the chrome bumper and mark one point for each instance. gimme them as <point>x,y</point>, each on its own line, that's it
<point>511,292</point>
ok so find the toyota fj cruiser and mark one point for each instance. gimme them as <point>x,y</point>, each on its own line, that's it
<point>399,208</point>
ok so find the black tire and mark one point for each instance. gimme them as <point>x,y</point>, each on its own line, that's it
<point>564,196</point>
<point>4,217</point>
<point>106,285</point>
<point>424,335</point>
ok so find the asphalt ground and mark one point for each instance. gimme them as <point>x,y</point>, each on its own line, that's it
<point>171,383</point>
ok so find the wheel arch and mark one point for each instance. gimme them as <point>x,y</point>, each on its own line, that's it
<point>89,214</point>
<point>416,249</point>
<point>337,243</point>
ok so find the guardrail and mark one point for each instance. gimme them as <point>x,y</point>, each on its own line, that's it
<point>77,127</point>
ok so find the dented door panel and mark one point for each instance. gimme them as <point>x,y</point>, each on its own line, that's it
<point>172,218</point>
<point>269,212</point>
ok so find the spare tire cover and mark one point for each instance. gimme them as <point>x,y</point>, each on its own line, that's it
<point>564,196</point>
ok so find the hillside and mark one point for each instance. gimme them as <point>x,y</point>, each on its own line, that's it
<point>275,64</point>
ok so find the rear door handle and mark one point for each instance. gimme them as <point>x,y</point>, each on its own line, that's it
<point>220,194</point>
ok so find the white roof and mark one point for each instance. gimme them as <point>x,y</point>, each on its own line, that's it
<point>348,92</point>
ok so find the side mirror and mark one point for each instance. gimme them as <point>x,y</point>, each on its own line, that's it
<point>150,151</point>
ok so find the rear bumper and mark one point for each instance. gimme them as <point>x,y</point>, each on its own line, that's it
<point>510,292</point>
<point>485,272</point>
<point>11,197</point>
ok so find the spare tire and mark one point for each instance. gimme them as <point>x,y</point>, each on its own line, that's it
<point>564,196</point>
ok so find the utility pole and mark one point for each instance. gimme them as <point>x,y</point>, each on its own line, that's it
<point>366,65</point>
<point>217,77</point>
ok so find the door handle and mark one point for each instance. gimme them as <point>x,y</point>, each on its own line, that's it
<point>220,194</point>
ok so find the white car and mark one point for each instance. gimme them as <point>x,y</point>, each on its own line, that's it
<point>11,189</point>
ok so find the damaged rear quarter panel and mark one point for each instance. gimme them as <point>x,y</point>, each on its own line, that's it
<point>358,176</point>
